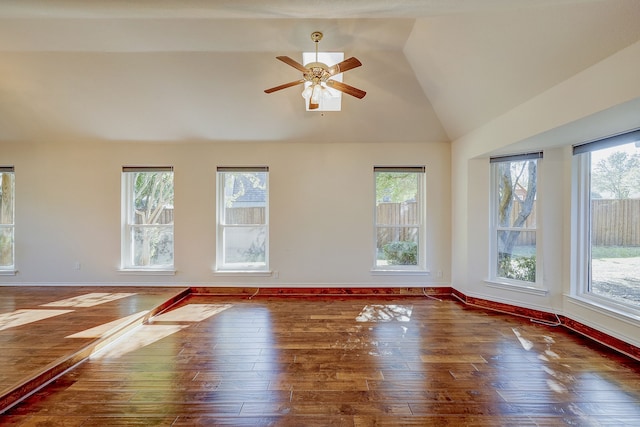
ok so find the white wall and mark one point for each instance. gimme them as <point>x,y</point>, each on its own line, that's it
<point>600,101</point>
<point>321,210</point>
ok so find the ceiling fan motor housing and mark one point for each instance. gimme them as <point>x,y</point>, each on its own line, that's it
<point>317,71</point>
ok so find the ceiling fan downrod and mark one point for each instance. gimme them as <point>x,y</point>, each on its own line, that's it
<point>316,36</point>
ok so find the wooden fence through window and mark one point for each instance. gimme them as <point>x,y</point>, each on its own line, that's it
<point>614,222</point>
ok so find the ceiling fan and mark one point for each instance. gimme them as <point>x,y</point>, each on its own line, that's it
<point>320,76</point>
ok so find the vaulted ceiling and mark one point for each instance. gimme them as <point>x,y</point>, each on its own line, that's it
<point>195,70</point>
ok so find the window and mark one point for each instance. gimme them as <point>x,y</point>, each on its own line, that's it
<point>608,220</point>
<point>7,191</point>
<point>243,219</point>
<point>147,217</point>
<point>514,199</point>
<point>399,218</point>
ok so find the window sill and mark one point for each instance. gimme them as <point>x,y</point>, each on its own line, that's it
<point>606,307</point>
<point>389,272</point>
<point>8,272</point>
<point>246,273</point>
<point>147,272</point>
<point>533,290</point>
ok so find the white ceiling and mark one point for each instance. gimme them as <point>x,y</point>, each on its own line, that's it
<point>195,70</point>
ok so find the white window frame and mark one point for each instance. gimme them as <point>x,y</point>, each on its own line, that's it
<point>581,225</point>
<point>128,223</point>
<point>10,269</point>
<point>495,228</point>
<point>420,267</point>
<point>221,227</point>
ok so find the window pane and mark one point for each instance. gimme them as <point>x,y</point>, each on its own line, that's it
<point>153,197</point>
<point>153,246</point>
<point>245,245</point>
<point>397,246</point>
<point>396,187</point>
<point>517,187</point>
<point>517,255</point>
<point>615,223</point>
<point>6,197</point>
<point>245,198</point>
<point>6,246</point>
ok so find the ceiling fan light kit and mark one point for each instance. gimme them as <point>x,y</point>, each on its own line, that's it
<point>320,77</point>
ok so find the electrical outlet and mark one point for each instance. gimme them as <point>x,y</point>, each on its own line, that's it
<point>76,265</point>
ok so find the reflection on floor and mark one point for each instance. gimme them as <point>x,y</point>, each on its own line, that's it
<point>385,313</point>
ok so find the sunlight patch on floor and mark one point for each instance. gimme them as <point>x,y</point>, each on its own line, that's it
<point>192,313</point>
<point>88,300</point>
<point>385,313</point>
<point>25,316</point>
<point>148,334</point>
<point>142,337</point>
<point>101,330</point>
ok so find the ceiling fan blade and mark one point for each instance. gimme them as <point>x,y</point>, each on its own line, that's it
<point>295,64</point>
<point>346,65</point>
<point>284,86</point>
<point>349,90</point>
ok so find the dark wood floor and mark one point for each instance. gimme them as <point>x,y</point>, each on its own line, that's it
<point>341,361</point>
